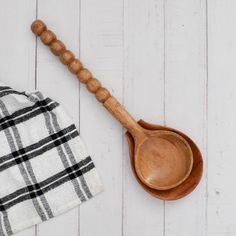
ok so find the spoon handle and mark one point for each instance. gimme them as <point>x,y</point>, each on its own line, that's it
<point>39,28</point>
<point>122,115</point>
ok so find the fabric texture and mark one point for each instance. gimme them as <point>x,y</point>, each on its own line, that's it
<point>45,168</point>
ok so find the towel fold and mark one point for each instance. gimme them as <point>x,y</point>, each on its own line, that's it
<point>45,168</point>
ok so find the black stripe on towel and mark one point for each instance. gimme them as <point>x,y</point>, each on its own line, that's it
<point>41,188</point>
<point>36,149</point>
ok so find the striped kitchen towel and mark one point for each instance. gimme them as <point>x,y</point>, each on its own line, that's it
<point>45,168</point>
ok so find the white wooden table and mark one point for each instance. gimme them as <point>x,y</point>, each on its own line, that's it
<point>170,62</point>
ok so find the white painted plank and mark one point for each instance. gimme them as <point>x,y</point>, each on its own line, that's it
<point>222,117</point>
<point>55,81</point>
<point>17,44</point>
<point>185,101</point>
<point>101,51</point>
<point>17,49</point>
<point>144,98</point>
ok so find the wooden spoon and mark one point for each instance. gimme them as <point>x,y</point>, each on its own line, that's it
<point>188,185</point>
<point>163,159</point>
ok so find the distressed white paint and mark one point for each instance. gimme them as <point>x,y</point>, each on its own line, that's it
<point>169,62</point>
<point>144,98</point>
<point>185,101</point>
<point>221,118</point>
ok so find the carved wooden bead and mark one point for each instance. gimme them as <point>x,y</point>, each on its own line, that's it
<point>84,75</point>
<point>102,94</point>
<point>66,57</point>
<point>38,27</point>
<point>47,37</point>
<point>93,85</point>
<point>75,66</point>
<point>57,47</point>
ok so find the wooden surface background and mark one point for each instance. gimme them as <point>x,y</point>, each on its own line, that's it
<point>170,62</point>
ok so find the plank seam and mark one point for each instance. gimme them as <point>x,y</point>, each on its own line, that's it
<point>79,102</point>
<point>206,120</point>
<point>35,73</point>
<point>164,97</point>
<point>123,140</point>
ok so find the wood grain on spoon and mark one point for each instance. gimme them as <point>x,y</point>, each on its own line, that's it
<point>163,159</point>
<point>184,188</point>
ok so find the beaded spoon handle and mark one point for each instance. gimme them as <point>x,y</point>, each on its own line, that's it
<point>74,65</point>
<point>163,158</point>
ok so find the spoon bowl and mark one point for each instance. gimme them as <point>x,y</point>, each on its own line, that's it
<point>186,186</point>
<point>163,160</point>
